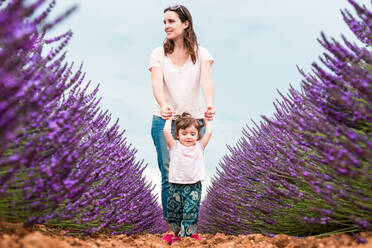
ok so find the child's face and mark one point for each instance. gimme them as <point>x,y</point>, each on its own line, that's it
<point>188,136</point>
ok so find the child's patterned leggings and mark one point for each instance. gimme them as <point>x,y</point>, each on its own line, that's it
<point>183,208</point>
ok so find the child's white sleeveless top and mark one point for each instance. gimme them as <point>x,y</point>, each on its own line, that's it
<point>186,163</point>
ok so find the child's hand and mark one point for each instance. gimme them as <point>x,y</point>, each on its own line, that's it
<point>209,113</point>
<point>166,112</point>
<point>169,117</point>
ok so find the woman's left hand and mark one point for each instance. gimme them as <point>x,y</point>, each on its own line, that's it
<point>209,113</point>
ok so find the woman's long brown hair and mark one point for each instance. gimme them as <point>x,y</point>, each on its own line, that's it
<point>189,37</point>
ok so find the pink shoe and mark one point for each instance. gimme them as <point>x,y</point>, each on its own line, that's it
<point>168,238</point>
<point>196,236</point>
<point>175,238</point>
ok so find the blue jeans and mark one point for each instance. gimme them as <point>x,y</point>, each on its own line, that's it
<point>162,151</point>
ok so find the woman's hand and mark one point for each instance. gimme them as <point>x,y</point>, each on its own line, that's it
<point>209,113</point>
<point>166,112</point>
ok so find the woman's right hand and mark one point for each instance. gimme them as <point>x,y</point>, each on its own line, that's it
<point>209,113</point>
<point>166,111</point>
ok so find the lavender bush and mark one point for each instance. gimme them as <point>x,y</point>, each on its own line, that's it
<point>61,162</point>
<point>307,170</point>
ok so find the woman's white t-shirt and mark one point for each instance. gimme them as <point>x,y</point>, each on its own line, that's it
<point>181,83</point>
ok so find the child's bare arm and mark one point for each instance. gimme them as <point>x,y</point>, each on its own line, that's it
<point>168,133</point>
<point>207,135</point>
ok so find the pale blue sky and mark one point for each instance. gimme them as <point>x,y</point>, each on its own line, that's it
<point>256,46</point>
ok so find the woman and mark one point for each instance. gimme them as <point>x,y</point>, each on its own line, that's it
<point>178,69</point>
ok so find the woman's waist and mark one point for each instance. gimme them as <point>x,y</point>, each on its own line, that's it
<point>195,111</point>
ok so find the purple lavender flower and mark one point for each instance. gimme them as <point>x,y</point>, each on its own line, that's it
<point>311,163</point>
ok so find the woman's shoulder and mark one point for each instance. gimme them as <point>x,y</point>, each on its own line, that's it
<point>202,49</point>
<point>158,51</point>
<point>204,54</point>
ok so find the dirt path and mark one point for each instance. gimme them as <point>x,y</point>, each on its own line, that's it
<point>14,236</point>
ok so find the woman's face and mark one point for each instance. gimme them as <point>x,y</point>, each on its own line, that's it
<point>173,26</point>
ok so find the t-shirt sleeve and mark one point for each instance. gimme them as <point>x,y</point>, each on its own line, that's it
<point>201,147</point>
<point>154,59</point>
<point>205,55</point>
<point>173,146</point>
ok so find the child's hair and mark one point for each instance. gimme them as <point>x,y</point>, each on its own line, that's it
<point>186,120</point>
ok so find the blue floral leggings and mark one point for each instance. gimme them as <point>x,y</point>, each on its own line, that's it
<point>183,208</point>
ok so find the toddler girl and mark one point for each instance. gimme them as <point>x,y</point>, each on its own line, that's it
<point>186,171</point>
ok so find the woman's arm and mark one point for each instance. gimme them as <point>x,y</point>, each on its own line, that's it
<point>168,133</point>
<point>207,135</point>
<point>157,88</point>
<point>208,89</point>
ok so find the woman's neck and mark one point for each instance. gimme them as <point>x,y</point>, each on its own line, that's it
<point>179,44</point>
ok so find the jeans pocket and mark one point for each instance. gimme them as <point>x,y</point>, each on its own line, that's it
<point>157,122</point>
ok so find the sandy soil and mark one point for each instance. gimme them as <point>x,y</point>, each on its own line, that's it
<point>15,236</point>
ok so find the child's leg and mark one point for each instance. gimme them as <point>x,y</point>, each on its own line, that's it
<point>174,208</point>
<point>192,197</point>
